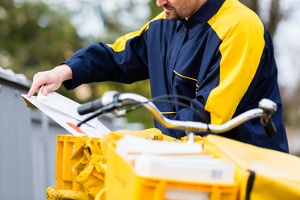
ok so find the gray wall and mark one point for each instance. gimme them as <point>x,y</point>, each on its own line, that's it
<point>27,143</point>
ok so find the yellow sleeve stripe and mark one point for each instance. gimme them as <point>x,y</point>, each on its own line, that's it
<point>120,43</point>
<point>241,51</point>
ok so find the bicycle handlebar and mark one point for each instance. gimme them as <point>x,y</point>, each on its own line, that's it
<point>112,102</point>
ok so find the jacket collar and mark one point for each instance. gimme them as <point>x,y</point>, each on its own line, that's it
<point>194,23</point>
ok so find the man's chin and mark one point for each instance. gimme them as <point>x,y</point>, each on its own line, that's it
<point>171,17</point>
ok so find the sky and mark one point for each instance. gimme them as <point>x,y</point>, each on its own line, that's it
<point>94,27</point>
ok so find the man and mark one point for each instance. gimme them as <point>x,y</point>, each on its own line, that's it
<point>216,52</point>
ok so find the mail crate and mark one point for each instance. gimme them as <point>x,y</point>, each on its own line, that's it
<point>65,174</point>
<point>67,171</point>
<point>122,183</point>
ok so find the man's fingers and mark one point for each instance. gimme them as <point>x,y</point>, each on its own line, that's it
<point>36,85</point>
<point>51,80</point>
<point>33,89</point>
<point>47,89</point>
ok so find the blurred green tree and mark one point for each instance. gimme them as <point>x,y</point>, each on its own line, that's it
<point>34,37</point>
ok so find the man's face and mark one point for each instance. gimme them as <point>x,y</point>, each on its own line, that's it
<point>179,9</point>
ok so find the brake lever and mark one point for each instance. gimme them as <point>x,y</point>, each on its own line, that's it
<point>269,108</point>
<point>269,128</point>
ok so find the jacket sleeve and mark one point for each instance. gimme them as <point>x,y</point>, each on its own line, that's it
<point>120,62</point>
<point>241,51</point>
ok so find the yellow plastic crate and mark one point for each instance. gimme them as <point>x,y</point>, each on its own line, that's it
<point>122,183</point>
<point>65,175</point>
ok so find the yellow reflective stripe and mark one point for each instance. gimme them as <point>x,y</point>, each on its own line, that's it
<point>186,77</point>
<point>120,43</point>
<point>241,51</point>
<point>168,113</point>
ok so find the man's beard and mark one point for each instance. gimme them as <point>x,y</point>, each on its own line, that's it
<point>173,16</point>
<point>171,13</point>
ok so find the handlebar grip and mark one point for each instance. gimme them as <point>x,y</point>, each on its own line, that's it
<point>90,107</point>
<point>269,128</point>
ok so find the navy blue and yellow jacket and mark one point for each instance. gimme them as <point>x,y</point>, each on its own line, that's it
<point>222,57</point>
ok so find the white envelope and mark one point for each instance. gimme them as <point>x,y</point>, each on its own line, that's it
<point>64,111</point>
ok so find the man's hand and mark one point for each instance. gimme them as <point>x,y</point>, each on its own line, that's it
<point>51,80</point>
